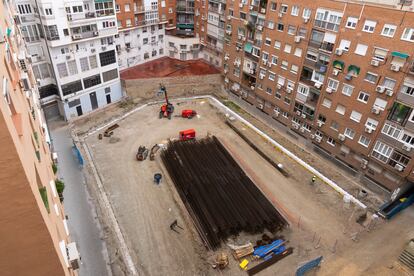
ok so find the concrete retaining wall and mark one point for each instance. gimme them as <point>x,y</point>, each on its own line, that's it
<point>145,89</point>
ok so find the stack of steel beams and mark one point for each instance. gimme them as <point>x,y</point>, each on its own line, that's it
<point>220,197</point>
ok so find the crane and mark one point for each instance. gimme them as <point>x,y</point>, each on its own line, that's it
<point>166,109</point>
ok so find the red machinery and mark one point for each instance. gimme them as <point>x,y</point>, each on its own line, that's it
<point>188,113</point>
<point>166,109</point>
<point>187,134</point>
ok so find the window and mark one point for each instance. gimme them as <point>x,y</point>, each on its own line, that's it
<point>52,32</point>
<point>380,103</point>
<point>369,26</point>
<point>304,90</point>
<point>371,77</point>
<point>408,34</point>
<point>347,90</point>
<point>329,20</point>
<point>48,11</point>
<point>302,32</point>
<point>363,97</point>
<point>355,116</point>
<point>273,6</point>
<point>127,8</point>
<point>380,53</point>
<point>268,41</point>
<point>288,48</point>
<point>92,81</point>
<point>381,151</point>
<point>24,9</point>
<point>278,44</point>
<point>408,89</point>
<point>389,83</point>
<point>294,69</point>
<point>408,138</point>
<point>291,30</point>
<point>107,58</point>
<point>272,76</point>
<point>104,8</point>
<point>398,158</point>
<point>327,103</point>
<point>274,60</point>
<point>399,113</point>
<point>371,124</point>
<point>265,56</point>
<point>351,22</point>
<point>295,10</point>
<point>93,62</point>
<point>73,69</point>
<point>364,141</point>
<point>145,41</point>
<point>340,109</point>
<point>271,25</point>
<point>392,130</point>
<point>345,44</point>
<point>306,13</point>
<point>269,91</point>
<point>361,49</point>
<point>236,72</point>
<point>333,84</point>
<point>388,30</point>
<point>334,125</point>
<point>71,87</point>
<point>298,52</point>
<point>331,141</point>
<point>62,70</point>
<point>283,8</point>
<point>110,75</point>
<point>350,133</point>
<point>84,64</point>
<point>312,55</point>
<point>278,95</point>
<point>284,65</point>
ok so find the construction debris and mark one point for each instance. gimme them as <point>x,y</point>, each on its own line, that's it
<point>220,197</point>
<point>109,131</point>
<point>222,260</point>
<point>242,250</point>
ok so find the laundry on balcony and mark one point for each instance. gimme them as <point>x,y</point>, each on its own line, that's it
<point>353,70</point>
<point>338,64</point>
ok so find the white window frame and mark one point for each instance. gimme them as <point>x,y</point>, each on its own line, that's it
<point>346,88</point>
<point>349,133</point>
<point>355,116</point>
<point>351,22</point>
<point>388,30</point>
<point>362,137</point>
<point>365,94</point>
<point>369,26</point>
<point>408,34</point>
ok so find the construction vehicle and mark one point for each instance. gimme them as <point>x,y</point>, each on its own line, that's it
<point>167,109</point>
<point>142,153</point>
<point>187,134</point>
<point>188,113</point>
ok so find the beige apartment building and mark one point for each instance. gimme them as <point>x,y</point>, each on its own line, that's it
<point>34,234</point>
<point>338,73</point>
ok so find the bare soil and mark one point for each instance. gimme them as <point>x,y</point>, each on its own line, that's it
<point>320,223</point>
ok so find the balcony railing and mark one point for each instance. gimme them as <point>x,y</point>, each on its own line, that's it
<point>184,9</point>
<point>80,16</point>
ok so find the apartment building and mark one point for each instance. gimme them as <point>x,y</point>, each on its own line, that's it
<point>34,233</point>
<point>141,27</point>
<point>337,73</point>
<point>73,52</point>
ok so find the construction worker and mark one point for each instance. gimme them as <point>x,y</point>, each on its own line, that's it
<point>313,179</point>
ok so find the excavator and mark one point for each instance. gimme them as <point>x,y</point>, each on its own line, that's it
<point>167,109</point>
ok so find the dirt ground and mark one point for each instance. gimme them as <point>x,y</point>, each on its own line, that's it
<point>320,222</point>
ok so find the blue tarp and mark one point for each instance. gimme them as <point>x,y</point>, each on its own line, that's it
<point>264,250</point>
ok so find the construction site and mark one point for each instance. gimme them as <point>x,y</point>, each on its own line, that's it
<point>196,185</point>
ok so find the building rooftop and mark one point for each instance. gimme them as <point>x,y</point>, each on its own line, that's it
<point>168,67</point>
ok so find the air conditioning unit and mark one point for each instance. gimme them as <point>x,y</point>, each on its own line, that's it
<point>225,71</point>
<point>263,10</point>
<point>368,130</point>
<point>276,113</point>
<point>251,8</point>
<point>335,72</point>
<point>226,57</point>
<point>318,139</point>
<point>320,123</point>
<point>259,27</point>
<point>289,90</point>
<point>260,106</point>
<point>375,62</point>
<point>398,167</point>
<point>364,163</point>
<point>280,14</point>
<point>95,33</point>
<point>305,20</point>
<point>264,62</point>
<point>228,32</point>
<point>318,85</point>
<point>341,137</point>
<point>295,125</point>
<point>298,113</point>
<point>279,86</point>
<point>389,92</point>
<point>312,136</point>
<point>93,50</point>
<point>304,116</point>
<point>269,64</point>
<point>251,71</point>
<point>380,89</point>
<point>77,36</point>
<point>261,76</point>
<point>226,80</point>
<point>229,17</point>
<point>103,48</point>
<point>406,147</point>
<point>302,129</point>
<point>297,39</point>
<point>376,110</point>
<point>395,67</point>
<point>329,90</point>
<point>252,87</point>
<point>338,52</point>
<point>237,49</point>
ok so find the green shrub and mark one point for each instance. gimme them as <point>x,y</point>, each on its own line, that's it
<point>43,194</point>
<point>60,186</point>
<point>54,168</point>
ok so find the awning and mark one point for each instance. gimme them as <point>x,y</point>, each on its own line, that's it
<point>102,1</point>
<point>248,47</point>
<point>185,26</point>
<point>338,64</point>
<point>354,68</point>
<point>400,55</point>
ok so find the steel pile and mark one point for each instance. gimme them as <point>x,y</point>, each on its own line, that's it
<point>220,197</point>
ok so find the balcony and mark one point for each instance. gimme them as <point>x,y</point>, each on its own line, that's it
<point>326,46</point>
<point>73,17</point>
<point>184,9</point>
